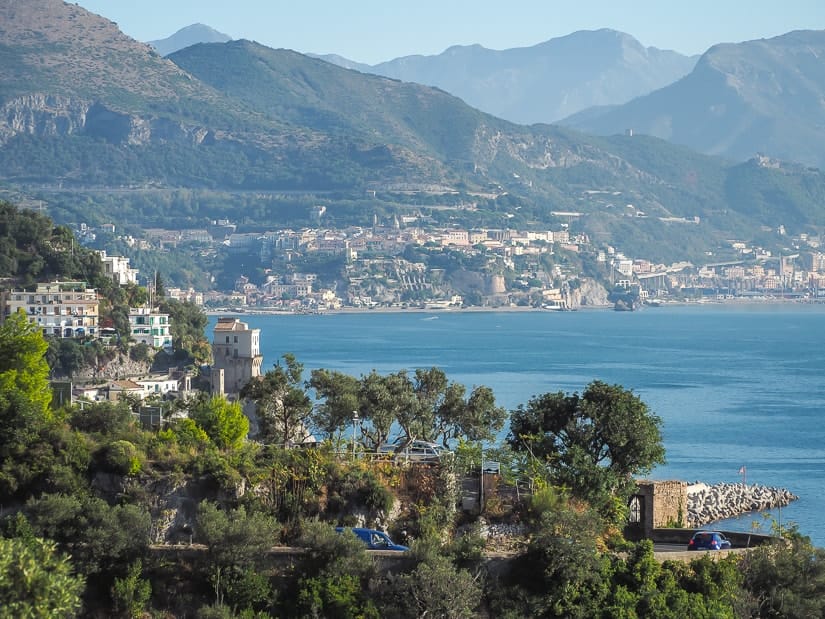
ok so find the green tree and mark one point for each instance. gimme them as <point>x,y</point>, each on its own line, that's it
<point>561,573</point>
<point>237,543</point>
<point>785,579</point>
<point>383,400</point>
<point>332,574</point>
<point>130,595</point>
<point>283,407</point>
<point>435,588</point>
<point>36,580</point>
<point>223,421</point>
<point>339,395</point>
<point>23,366</point>
<point>593,443</point>
<point>187,325</point>
<point>99,537</point>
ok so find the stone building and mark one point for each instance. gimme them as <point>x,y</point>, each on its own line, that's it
<point>236,350</point>
<point>656,505</point>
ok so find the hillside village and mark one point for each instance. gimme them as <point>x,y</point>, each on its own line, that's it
<point>408,265</point>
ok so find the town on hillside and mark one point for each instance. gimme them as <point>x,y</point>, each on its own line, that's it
<point>410,264</point>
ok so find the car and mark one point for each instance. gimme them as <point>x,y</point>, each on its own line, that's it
<point>708,540</point>
<point>416,451</point>
<point>373,538</point>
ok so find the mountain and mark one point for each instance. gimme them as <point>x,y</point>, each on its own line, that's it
<point>764,96</point>
<point>196,33</point>
<point>545,82</point>
<point>100,128</point>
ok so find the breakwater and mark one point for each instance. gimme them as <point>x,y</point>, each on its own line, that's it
<point>708,503</point>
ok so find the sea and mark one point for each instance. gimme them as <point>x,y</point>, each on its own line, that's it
<point>739,388</point>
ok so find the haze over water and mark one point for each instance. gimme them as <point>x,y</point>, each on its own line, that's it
<point>734,385</point>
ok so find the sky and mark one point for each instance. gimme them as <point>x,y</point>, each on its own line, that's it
<point>372,31</point>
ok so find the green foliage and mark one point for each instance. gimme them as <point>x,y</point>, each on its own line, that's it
<point>224,422</point>
<point>187,432</point>
<point>785,579</point>
<point>237,543</point>
<point>593,443</point>
<point>107,419</point>
<point>435,587</point>
<point>23,366</point>
<point>99,537</point>
<point>332,574</point>
<point>36,580</point>
<point>188,324</point>
<point>283,407</point>
<point>121,457</point>
<point>33,250</point>
<point>140,352</point>
<point>130,595</point>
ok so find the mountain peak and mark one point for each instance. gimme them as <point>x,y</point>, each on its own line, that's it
<point>189,35</point>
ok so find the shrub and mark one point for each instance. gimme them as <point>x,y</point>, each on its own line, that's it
<point>121,457</point>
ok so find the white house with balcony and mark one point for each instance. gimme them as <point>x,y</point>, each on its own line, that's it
<point>117,268</point>
<point>150,327</point>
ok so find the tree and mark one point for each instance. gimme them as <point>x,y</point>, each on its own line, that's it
<point>131,594</point>
<point>99,537</point>
<point>23,366</point>
<point>36,580</point>
<point>284,409</point>
<point>435,588</point>
<point>593,443</point>
<point>785,579</point>
<point>383,400</point>
<point>339,393</point>
<point>333,574</point>
<point>223,421</point>
<point>187,325</point>
<point>238,541</point>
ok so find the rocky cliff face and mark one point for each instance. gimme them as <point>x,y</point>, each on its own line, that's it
<point>43,115</point>
<point>590,294</point>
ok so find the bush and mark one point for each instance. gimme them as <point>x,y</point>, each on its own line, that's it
<point>140,352</point>
<point>121,457</point>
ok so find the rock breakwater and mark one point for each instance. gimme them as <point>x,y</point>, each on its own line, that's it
<point>709,503</point>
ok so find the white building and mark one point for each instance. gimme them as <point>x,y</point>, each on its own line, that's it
<point>150,327</point>
<point>117,268</point>
<point>60,309</point>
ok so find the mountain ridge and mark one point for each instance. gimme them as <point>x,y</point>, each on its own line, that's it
<point>765,96</point>
<point>543,82</point>
<point>261,122</point>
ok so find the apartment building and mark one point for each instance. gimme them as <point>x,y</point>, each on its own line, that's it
<point>150,327</point>
<point>60,309</point>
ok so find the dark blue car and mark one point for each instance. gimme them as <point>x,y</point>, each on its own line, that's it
<point>374,539</point>
<point>708,540</point>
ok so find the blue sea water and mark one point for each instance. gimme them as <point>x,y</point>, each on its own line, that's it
<point>734,385</point>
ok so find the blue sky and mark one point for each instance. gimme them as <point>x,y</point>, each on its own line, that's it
<point>372,31</point>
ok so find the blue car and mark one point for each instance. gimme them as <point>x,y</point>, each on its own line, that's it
<point>708,540</point>
<point>374,539</point>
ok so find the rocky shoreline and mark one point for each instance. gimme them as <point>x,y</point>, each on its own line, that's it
<point>709,503</point>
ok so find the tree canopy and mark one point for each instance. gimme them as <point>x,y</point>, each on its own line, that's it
<point>594,442</point>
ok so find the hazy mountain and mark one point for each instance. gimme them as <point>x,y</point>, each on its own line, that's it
<point>545,82</point>
<point>765,96</point>
<point>190,35</point>
<point>83,108</point>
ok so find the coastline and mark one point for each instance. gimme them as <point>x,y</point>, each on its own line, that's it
<point>738,302</point>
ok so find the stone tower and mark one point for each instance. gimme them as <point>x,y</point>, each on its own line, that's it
<point>236,350</point>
